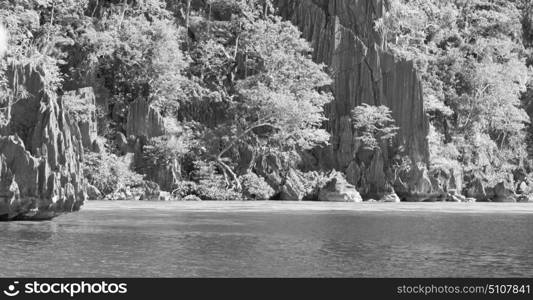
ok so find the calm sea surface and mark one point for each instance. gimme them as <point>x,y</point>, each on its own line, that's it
<point>266,239</point>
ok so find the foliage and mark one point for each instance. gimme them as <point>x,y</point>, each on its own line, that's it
<point>191,198</point>
<point>143,59</point>
<point>164,149</point>
<point>255,187</point>
<point>472,60</point>
<point>373,124</point>
<point>184,189</point>
<point>269,84</point>
<point>78,108</point>
<point>109,173</point>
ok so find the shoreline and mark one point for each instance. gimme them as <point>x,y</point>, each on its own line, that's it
<point>295,206</point>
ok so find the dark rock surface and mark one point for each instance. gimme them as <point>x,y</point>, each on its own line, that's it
<point>285,180</point>
<point>342,35</point>
<point>144,121</point>
<point>40,154</point>
<point>504,194</point>
<point>88,126</point>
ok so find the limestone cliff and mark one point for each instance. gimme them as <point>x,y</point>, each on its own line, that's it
<point>342,35</point>
<point>40,153</point>
<point>144,121</point>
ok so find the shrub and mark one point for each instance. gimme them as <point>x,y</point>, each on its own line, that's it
<point>206,189</point>
<point>255,187</point>
<point>215,189</point>
<point>109,173</point>
<point>192,198</point>
<point>184,189</point>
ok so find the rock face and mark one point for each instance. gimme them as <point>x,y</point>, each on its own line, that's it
<point>342,35</point>
<point>503,194</point>
<point>40,154</point>
<point>283,178</point>
<point>144,121</point>
<point>337,189</point>
<point>88,126</point>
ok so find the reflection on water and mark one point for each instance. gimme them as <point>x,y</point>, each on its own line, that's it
<point>183,243</point>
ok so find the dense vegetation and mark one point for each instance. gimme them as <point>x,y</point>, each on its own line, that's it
<point>236,84</point>
<point>236,56</point>
<point>474,58</point>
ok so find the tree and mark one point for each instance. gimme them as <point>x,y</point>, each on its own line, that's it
<point>279,105</point>
<point>373,125</point>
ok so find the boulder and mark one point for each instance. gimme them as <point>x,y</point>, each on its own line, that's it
<point>522,187</point>
<point>93,193</point>
<point>285,180</point>
<point>390,198</point>
<point>525,198</point>
<point>40,154</point>
<point>337,189</point>
<point>454,196</point>
<point>503,194</point>
<point>165,196</point>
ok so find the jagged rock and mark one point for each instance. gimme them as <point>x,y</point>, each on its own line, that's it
<point>42,154</point>
<point>87,123</point>
<point>503,194</point>
<point>93,193</point>
<point>144,121</point>
<point>476,189</point>
<point>339,190</point>
<point>294,187</point>
<point>343,36</point>
<point>287,183</point>
<point>165,173</point>
<point>122,143</point>
<point>419,182</point>
<point>444,180</point>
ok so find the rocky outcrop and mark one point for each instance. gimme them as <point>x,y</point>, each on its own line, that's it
<point>337,189</point>
<point>93,193</point>
<point>40,153</point>
<point>287,183</point>
<point>144,121</point>
<point>88,127</point>
<point>342,35</point>
<point>504,194</point>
